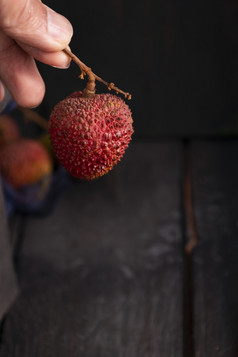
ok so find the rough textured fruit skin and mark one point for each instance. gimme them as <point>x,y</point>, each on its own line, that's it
<point>24,162</point>
<point>9,130</point>
<point>90,135</point>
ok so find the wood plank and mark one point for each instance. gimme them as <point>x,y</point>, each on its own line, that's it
<point>215,177</point>
<point>103,274</point>
<point>8,284</point>
<point>178,59</point>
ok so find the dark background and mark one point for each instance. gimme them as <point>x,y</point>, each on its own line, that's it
<point>179,59</point>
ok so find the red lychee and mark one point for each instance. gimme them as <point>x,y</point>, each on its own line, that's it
<point>24,162</point>
<point>90,135</point>
<point>9,130</point>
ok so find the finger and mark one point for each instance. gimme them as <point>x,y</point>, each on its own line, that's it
<point>56,59</point>
<point>19,74</point>
<point>2,92</point>
<point>35,24</point>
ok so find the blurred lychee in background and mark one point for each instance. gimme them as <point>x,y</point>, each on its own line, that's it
<point>30,174</point>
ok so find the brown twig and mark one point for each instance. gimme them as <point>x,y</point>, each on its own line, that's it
<point>85,70</point>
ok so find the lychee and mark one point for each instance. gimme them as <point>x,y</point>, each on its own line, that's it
<point>9,131</point>
<point>90,134</point>
<point>24,162</point>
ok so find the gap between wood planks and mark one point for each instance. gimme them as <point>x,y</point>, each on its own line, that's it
<point>191,240</point>
<point>192,234</point>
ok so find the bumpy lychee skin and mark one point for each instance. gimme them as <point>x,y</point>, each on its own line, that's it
<point>90,135</point>
<point>24,162</point>
<point>9,130</point>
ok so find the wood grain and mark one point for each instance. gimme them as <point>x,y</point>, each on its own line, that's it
<point>215,177</point>
<point>103,275</point>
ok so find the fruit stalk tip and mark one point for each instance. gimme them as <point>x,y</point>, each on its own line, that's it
<point>85,70</point>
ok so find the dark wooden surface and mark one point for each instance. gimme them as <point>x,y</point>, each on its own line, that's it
<point>103,275</point>
<point>106,273</point>
<point>215,178</point>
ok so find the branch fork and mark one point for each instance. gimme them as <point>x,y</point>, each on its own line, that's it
<point>90,87</point>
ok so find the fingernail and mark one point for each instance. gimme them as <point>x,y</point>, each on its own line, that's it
<point>59,27</point>
<point>63,66</point>
<point>63,61</point>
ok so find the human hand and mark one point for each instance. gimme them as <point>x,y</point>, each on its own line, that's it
<point>30,30</point>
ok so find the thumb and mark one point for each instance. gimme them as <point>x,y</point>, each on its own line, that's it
<point>35,24</point>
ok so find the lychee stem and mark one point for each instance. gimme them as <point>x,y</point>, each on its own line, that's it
<point>89,90</point>
<point>92,76</point>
